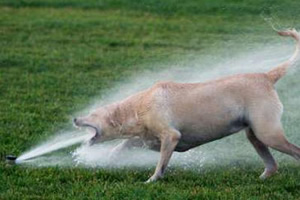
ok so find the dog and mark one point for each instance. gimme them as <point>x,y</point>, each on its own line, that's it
<point>173,116</point>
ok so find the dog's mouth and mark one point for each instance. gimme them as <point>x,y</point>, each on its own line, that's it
<point>97,135</point>
<point>97,131</point>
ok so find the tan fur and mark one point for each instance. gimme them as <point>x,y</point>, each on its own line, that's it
<point>178,116</point>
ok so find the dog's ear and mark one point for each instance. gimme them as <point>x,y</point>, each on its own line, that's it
<point>113,123</point>
<point>113,119</point>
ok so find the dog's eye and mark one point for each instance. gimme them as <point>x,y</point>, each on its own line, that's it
<point>94,115</point>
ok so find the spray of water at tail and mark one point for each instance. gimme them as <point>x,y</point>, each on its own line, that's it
<point>279,71</point>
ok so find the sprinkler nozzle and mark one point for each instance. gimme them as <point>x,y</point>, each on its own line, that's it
<point>11,159</point>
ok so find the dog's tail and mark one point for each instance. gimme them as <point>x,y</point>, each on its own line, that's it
<point>279,71</point>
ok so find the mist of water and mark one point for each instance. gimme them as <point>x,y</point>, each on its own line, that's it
<point>58,142</point>
<point>191,69</point>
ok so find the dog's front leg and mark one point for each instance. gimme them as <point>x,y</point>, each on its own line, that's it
<point>124,146</point>
<point>169,140</point>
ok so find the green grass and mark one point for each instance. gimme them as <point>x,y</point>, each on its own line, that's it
<point>57,55</point>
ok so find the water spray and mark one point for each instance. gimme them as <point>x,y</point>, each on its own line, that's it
<point>252,60</point>
<point>58,142</point>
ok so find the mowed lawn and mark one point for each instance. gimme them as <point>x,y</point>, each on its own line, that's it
<point>55,56</point>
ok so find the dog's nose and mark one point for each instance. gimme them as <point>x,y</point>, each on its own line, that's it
<point>75,120</point>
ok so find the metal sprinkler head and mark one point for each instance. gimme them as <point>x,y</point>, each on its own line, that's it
<point>11,159</point>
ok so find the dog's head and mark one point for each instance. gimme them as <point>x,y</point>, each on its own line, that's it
<point>101,124</point>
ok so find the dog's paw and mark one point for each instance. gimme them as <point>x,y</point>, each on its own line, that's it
<point>149,181</point>
<point>263,176</point>
<point>153,179</point>
<point>267,173</point>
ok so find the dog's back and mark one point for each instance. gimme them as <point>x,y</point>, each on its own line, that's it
<point>210,110</point>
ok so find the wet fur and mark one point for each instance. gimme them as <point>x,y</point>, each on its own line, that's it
<point>179,116</point>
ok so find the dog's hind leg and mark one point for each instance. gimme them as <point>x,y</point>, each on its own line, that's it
<point>274,138</point>
<point>278,142</point>
<point>264,153</point>
<point>268,129</point>
<point>169,140</point>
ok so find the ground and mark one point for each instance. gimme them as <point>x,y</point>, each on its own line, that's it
<point>57,55</point>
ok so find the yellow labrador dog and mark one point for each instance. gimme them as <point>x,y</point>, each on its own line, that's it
<point>179,116</point>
